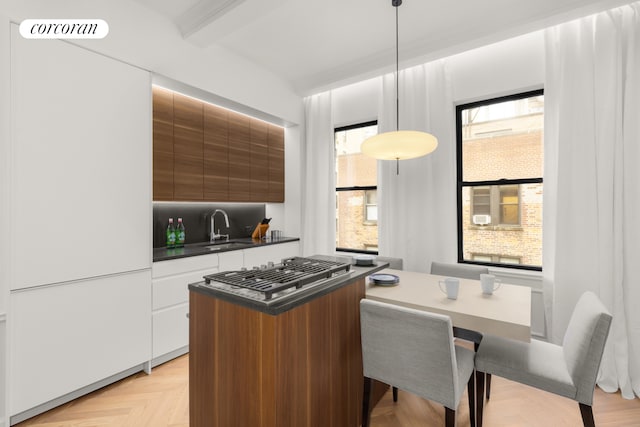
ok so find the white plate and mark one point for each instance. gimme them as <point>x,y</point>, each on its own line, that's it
<point>383,279</point>
<point>364,259</point>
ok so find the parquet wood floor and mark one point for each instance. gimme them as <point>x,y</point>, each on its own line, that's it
<point>161,400</point>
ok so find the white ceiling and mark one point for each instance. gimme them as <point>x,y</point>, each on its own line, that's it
<point>318,44</point>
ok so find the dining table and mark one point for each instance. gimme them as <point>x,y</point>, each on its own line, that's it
<point>506,312</point>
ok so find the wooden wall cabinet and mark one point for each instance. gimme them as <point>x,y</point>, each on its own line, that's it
<point>276,164</point>
<point>203,152</point>
<point>188,148</point>
<point>216,153</point>
<point>259,161</point>
<point>162,144</point>
<point>239,158</point>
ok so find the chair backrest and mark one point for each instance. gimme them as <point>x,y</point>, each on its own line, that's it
<point>458,270</point>
<point>395,263</point>
<point>583,344</point>
<point>410,349</point>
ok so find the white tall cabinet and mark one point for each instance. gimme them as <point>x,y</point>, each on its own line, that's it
<point>4,207</point>
<point>80,222</point>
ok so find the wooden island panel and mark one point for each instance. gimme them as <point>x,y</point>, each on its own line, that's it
<point>300,368</point>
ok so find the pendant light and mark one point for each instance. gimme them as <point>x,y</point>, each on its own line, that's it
<point>399,144</point>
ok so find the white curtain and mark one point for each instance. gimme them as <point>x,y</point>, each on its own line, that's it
<point>318,175</point>
<point>592,181</point>
<point>417,207</point>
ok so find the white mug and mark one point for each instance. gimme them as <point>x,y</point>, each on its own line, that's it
<point>488,283</point>
<point>452,285</point>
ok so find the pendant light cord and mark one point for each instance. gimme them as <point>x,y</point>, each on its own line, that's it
<point>397,76</point>
<point>397,4</point>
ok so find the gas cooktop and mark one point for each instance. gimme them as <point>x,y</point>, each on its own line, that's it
<point>291,276</point>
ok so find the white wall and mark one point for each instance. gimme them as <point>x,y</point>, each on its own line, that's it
<point>287,216</point>
<point>512,66</point>
<point>356,103</point>
<point>507,67</point>
<point>142,37</point>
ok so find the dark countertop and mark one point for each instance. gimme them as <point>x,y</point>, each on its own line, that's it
<point>205,248</point>
<point>297,299</point>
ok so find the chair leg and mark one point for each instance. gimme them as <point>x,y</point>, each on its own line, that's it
<point>366,401</point>
<point>488,386</point>
<point>471,391</point>
<point>479,397</point>
<point>394,390</point>
<point>587,415</point>
<point>449,417</point>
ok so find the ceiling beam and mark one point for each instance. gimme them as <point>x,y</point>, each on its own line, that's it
<point>202,14</point>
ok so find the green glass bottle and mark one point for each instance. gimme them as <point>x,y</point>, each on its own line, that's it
<point>180,234</point>
<point>171,235</point>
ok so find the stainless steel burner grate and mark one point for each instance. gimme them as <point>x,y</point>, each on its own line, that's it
<point>293,272</point>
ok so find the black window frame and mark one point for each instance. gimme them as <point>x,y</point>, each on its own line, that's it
<point>356,188</point>
<point>498,182</point>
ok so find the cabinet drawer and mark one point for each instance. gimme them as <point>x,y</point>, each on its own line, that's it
<point>174,290</point>
<point>170,329</point>
<point>184,265</point>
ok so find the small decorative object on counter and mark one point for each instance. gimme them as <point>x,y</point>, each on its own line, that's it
<point>180,234</point>
<point>171,235</point>
<point>260,231</point>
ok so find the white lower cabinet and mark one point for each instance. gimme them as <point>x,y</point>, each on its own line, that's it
<point>170,303</point>
<point>3,375</point>
<point>171,279</point>
<point>68,336</point>
<point>170,331</point>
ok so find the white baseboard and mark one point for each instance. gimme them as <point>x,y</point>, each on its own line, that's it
<point>29,413</point>
<point>169,356</point>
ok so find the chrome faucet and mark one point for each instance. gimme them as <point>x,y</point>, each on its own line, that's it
<point>217,235</point>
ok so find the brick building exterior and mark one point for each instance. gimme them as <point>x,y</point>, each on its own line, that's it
<point>353,230</point>
<point>506,149</point>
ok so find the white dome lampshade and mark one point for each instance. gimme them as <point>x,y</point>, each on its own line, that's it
<point>399,145</point>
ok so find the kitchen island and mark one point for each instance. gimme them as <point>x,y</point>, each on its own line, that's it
<point>292,362</point>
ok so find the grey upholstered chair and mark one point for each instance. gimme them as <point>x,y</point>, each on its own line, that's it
<point>394,263</point>
<point>569,370</point>
<point>414,351</point>
<point>462,271</point>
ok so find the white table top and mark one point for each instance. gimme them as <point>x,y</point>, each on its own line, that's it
<point>506,313</point>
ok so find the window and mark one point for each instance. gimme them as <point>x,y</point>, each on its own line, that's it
<point>500,163</point>
<point>370,207</point>
<point>356,190</point>
<point>495,205</point>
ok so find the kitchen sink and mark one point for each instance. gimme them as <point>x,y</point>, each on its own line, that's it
<point>224,245</point>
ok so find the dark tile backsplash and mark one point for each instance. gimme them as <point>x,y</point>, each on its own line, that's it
<point>243,218</point>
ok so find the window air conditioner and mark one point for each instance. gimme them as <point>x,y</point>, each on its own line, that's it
<point>482,219</point>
